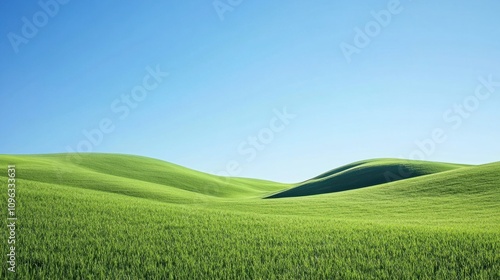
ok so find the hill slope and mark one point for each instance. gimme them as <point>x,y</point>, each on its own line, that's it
<point>467,197</point>
<point>134,176</point>
<point>364,174</point>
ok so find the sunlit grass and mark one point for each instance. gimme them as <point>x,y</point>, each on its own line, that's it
<point>122,217</point>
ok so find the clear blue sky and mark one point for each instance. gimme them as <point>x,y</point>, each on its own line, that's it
<point>230,69</point>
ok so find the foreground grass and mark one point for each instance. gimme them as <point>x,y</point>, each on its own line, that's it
<point>442,226</point>
<point>83,237</point>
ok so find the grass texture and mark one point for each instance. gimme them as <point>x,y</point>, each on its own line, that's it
<point>107,216</point>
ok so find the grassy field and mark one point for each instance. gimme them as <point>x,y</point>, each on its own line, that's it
<point>102,216</point>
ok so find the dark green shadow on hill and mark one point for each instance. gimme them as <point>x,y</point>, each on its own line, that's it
<point>364,174</point>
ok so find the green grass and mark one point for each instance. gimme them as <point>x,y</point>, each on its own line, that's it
<point>364,174</point>
<point>106,216</point>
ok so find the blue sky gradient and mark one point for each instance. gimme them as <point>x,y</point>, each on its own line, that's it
<point>231,70</point>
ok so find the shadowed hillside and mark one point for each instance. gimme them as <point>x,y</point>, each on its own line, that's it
<point>364,174</point>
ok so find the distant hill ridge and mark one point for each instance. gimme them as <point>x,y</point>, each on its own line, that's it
<point>159,180</point>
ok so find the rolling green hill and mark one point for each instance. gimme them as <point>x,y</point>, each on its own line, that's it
<point>364,174</point>
<point>134,176</point>
<point>106,216</point>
